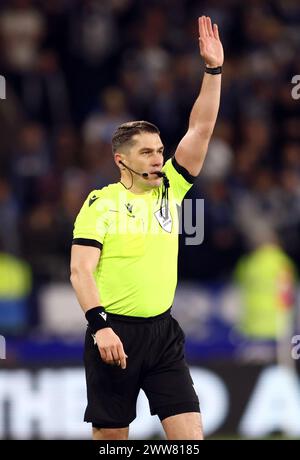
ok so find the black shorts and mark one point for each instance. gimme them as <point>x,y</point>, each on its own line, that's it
<point>155,363</point>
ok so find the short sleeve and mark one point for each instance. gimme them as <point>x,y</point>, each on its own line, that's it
<point>180,179</point>
<point>91,223</point>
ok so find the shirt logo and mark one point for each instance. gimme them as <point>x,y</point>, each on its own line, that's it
<point>92,200</point>
<point>129,207</point>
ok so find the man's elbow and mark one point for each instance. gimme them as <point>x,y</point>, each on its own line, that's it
<point>200,133</point>
<point>76,272</point>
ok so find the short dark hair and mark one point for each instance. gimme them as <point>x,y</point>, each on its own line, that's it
<point>125,132</point>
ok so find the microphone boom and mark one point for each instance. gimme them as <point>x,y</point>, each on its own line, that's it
<point>158,173</point>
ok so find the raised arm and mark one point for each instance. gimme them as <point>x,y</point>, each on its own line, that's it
<point>192,149</point>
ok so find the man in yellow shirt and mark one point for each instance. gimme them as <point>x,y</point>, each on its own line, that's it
<point>124,270</point>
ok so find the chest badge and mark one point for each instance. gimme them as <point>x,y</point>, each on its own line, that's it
<point>166,224</point>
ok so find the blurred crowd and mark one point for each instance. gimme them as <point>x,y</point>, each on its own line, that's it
<point>75,69</point>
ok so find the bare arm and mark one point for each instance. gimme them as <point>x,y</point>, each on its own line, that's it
<point>192,148</point>
<point>84,260</point>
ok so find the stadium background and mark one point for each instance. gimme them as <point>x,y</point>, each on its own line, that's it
<point>74,70</point>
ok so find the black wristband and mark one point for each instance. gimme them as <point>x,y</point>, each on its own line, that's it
<point>213,70</point>
<point>97,319</point>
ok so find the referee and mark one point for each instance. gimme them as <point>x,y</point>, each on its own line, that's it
<point>124,270</point>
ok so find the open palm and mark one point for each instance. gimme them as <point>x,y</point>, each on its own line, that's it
<point>211,48</point>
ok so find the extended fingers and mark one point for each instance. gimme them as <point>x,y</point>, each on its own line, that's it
<point>216,32</point>
<point>209,27</point>
<point>202,27</point>
<point>206,29</point>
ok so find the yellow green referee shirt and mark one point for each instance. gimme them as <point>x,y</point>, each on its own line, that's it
<point>137,270</point>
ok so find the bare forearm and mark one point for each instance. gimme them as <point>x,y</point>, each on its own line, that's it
<point>205,110</point>
<point>86,290</point>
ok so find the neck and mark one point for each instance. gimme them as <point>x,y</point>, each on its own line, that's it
<point>135,186</point>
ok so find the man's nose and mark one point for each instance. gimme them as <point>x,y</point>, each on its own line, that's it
<point>157,159</point>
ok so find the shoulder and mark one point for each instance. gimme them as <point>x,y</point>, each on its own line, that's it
<point>99,199</point>
<point>173,169</point>
<point>107,192</point>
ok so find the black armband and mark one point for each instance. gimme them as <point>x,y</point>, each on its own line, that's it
<point>213,70</point>
<point>97,319</point>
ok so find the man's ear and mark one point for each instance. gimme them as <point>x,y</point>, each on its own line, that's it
<point>119,157</point>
